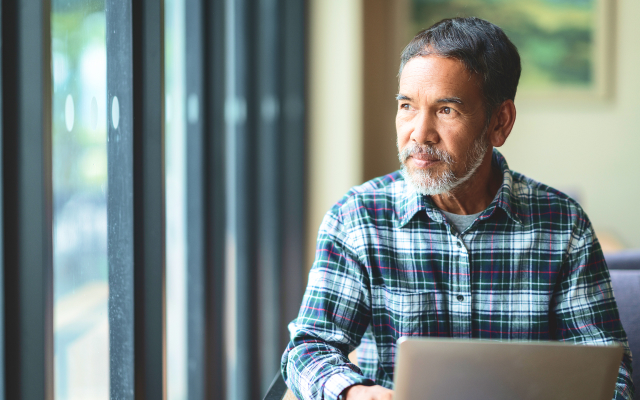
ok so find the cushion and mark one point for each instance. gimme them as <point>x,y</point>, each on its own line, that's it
<point>626,287</point>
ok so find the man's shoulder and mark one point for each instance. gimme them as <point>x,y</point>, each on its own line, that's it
<point>381,193</point>
<point>537,201</point>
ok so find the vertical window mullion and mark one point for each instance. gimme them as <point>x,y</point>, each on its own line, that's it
<point>293,134</point>
<point>2,344</point>
<point>135,85</point>
<point>196,201</point>
<point>270,185</point>
<point>240,313</point>
<point>120,214</point>
<point>149,199</point>
<point>215,181</point>
<point>27,202</point>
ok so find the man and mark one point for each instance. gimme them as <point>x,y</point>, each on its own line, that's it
<point>455,244</point>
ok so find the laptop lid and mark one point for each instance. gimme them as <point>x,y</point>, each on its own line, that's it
<point>453,369</point>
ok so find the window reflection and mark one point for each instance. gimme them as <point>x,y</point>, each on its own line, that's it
<point>81,328</point>
<point>175,175</point>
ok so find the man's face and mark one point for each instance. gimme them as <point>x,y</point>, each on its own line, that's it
<point>441,124</point>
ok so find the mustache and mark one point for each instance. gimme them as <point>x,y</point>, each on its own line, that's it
<point>432,152</point>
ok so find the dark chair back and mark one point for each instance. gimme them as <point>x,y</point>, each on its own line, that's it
<point>625,279</point>
<point>278,390</point>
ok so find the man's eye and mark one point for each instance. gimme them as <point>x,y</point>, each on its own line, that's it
<point>405,106</point>
<point>446,110</point>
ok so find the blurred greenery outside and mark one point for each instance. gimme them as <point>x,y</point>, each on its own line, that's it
<point>75,35</point>
<point>555,38</point>
<point>79,175</point>
<point>78,44</point>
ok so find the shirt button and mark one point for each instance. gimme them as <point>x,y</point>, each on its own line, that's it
<point>459,245</point>
<point>460,297</point>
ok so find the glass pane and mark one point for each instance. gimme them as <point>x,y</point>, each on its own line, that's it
<point>81,290</point>
<point>175,175</point>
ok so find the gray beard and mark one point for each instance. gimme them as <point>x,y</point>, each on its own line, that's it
<point>428,183</point>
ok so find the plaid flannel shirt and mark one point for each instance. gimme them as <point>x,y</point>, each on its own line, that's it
<point>389,265</point>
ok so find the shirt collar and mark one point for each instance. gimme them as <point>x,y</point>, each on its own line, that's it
<point>411,202</point>
<point>506,198</point>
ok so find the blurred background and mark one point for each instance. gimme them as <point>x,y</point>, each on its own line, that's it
<point>576,130</point>
<point>577,103</point>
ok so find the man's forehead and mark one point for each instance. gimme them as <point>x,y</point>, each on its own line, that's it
<point>433,72</point>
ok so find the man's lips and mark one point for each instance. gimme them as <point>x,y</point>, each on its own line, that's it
<point>423,160</point>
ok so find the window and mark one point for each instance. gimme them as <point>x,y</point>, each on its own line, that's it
<point>79,177</point>
<point>178,112</point>
<point>153,158</point>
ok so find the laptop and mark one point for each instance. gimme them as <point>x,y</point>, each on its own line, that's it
<point>450,369</point>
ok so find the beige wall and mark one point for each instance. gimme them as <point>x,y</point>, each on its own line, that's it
<point>335,107</point>
<point>383,40</point>
<point>591,147</point>
<point>354,46</point>
<point>582,146</point>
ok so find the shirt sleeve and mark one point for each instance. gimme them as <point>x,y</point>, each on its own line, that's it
<point>333,317</point>
<point>585,308</point>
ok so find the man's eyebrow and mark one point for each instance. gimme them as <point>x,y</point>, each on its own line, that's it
<point>402,97</point>
<point>457,100</point>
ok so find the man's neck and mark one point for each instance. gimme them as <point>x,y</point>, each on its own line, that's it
<point>474,195</point>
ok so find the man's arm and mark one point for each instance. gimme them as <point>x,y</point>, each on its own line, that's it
<point>333,317</point>
<point>585,309</point>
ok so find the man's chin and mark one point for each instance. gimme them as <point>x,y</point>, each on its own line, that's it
<point>424,183</point>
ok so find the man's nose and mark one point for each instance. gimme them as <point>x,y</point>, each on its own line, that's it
<point>425,129</point>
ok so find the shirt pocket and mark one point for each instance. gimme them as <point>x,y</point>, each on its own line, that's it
<point>512,316</point>
<point>410,313</point>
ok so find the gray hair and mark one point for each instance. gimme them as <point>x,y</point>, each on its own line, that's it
<point>482,47</point>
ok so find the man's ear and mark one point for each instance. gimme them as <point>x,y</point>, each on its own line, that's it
<point>501,123</point>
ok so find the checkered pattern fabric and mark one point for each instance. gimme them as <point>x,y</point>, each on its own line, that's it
<point>389,265</point>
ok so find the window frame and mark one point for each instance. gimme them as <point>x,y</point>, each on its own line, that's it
<point>230,278</point>
<point>27,200</point>
<point>136,218</point>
